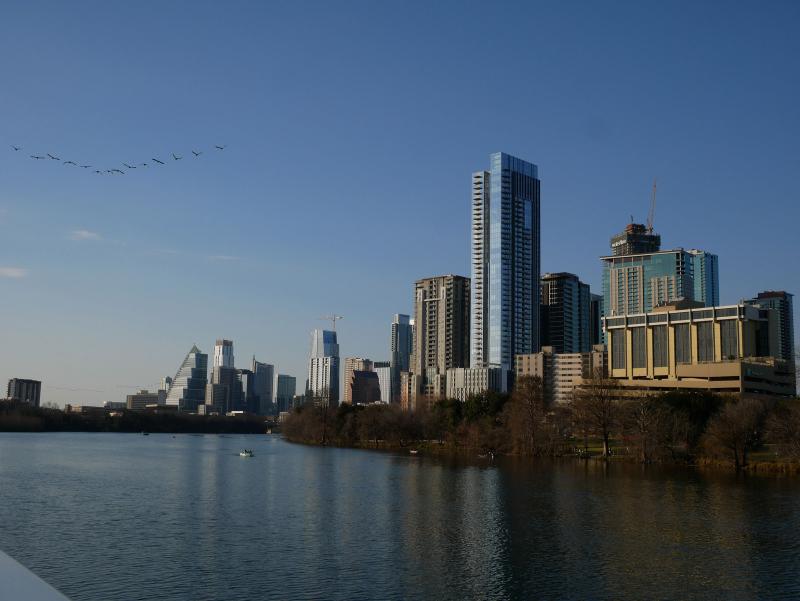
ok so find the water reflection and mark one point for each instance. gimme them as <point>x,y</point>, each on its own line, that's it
<point>185,517</point>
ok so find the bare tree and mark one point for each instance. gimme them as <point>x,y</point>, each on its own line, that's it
<point>648,424</point>
<point>595,402</point>
<point>526,412</point>
<point>783,429</point>
<point>737,429</point>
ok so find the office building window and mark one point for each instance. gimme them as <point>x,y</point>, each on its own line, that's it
<point>639,347</point>
<point>705,341</point>
<point>660,346</point>
<point>729,339</point>
<point>683,343</point>
<point>618,344</point>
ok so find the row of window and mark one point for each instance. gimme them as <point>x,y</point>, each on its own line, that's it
<point>729,343</point>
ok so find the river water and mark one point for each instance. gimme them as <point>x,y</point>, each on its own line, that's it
<point>124,517</point>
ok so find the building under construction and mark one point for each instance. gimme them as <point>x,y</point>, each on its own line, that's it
<point>635,240</point>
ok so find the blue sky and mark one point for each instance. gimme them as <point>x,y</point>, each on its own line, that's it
<point>352,130</point>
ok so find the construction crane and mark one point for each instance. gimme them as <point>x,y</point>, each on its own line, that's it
<point>652,213</point>
<point>332,318</point>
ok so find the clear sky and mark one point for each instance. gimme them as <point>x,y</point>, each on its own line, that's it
<point>352,130</point>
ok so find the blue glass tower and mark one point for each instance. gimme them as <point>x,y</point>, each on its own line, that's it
<point>506,250</point>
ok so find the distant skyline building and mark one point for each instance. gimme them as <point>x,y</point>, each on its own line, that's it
<point>705,272</point>
<point>365,388</point>
<point>285,390</point>
<point>384,371</point>
<point>234,397</point>
<point>223,353</point>
<point>323,368</point>
<point>262,389</point>
<point>352,365</point>
<point>596,314</point>
<point>25,391</point>
<point>140,400</point>
<point>782,303</point>
<point>506,251</point>
<point>566,313</point>
<point>636,239</point>
<point>562,373</point>
<point>188,388</point>
<point>401,348</point>
<point>166,382</point>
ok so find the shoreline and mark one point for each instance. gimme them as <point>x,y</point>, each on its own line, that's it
<point>756,467</point>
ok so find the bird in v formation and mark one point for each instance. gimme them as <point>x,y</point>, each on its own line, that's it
<point>53,157</point>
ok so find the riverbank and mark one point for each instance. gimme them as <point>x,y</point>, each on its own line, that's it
<point>20,417</point>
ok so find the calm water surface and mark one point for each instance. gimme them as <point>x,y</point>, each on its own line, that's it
<point>124,516</point>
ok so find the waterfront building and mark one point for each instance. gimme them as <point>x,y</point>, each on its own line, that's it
<point>728,349</point>
<point>401,348</point>
<point>596,315</point>
<point>562,373</point>
<point>782,304</point>
<point>464,382</point>
<point>506,248</point>
<point>636,239</point>
<point>565,313</point>
<point>188,387</point>
<point>285,389</point>
<point>24,391</point>
<point>140,400</point>
<point>323,368</point>
<point>384,371</point>
<point>223,353</point>
<point>365,388</point>
<point>705,274</point>
<point>441,333</point>
<point>263,389</point>
<point>351,365</point>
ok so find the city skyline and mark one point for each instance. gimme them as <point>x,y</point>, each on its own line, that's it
<point>112,281</point>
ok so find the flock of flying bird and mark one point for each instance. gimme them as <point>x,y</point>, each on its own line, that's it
<point>116,171</point>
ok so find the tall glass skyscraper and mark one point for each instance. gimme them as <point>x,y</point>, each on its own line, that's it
<point>188,388</point>
<point>705,268</point>
<point>506,251</point>
<point>402,345</point>
<point>323,368</point>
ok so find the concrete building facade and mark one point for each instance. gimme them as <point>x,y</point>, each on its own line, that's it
<point>464,382</point>
<point>562,373</point>
<point>726,349</point>
<point>25,391</point>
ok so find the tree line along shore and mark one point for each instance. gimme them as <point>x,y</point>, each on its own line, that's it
<point>22,417</point>
<point>677,427</point>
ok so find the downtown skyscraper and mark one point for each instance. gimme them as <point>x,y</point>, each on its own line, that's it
<point>323,368</point>
<point>506,257</point>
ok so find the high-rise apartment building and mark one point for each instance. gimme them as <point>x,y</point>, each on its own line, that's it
<point>323,368</point>
<point>365,388</point>
<point>188,387</point>
<point>25,391</point>
<point>782,304</point>
<point>233,398</point>
<point>352,365</point>
<point>506,249</point>
<point>402,345</point>
<point>262,387</point>
<point>565,313</point>
<point>441,332</point>
<point>223,353</point>
<point>705,273</point>
<point>285,389</point>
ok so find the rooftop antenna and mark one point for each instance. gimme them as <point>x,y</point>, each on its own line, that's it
<point>652,213</point>
<point>332,318</point>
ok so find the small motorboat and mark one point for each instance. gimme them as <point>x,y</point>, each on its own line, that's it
<point>246,453</point>
<point>413,451</point>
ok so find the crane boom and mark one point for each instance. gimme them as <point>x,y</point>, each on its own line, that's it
<point>652,213</point>
<point>333,318</point>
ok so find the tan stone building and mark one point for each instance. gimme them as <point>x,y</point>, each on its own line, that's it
<point>351,365</point>
<point>728,349</point>
<point>561,373</point>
